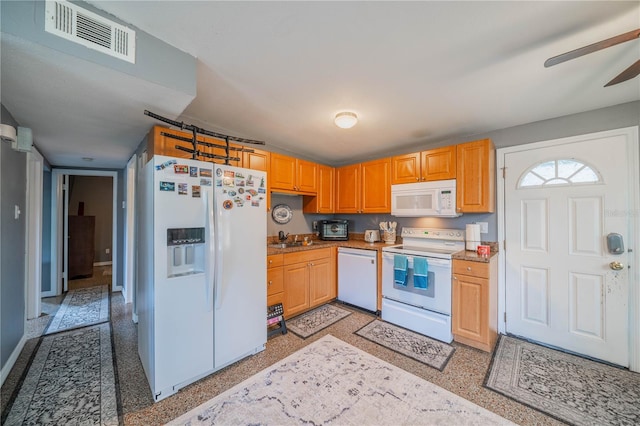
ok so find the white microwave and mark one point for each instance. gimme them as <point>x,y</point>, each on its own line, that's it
<point>435,198</point>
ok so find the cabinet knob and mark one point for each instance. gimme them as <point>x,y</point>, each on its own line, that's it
<point>455,278</point>
<point>468,268</point>
<point>270,261</point>
<point>270,282</point>
<point>417,178</point>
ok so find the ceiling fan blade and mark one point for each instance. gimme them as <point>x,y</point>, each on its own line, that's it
<point>625,75</point>
<point>631,35</point>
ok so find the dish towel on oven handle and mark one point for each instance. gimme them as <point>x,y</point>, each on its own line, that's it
<point>420,273</point>
<point>400,265</point>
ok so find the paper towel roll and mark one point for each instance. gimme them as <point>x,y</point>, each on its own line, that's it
<point>473,236</point>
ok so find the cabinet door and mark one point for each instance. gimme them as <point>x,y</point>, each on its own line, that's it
<point>256,160</point>
<point>475,176</point>
<point>296,288</point>
<point>282,172</point>
<point>405,168</point>
<point>348,189</point>
<point>307,176</point>
<point>159,144</point>
<point>438,163</point>
<point>323,201</point>
<point>470,308</point>
<point>321,282</point>
<point>376,186</point>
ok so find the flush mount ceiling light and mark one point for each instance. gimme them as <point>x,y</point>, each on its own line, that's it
<point>346,119</point>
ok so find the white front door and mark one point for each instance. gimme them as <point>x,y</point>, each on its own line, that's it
<point>562,285</point>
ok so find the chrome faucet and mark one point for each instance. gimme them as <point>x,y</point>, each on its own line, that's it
<point>282,236</point>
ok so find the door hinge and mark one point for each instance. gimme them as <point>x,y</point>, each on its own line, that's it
<point>504,245</point>
<point>504,172</point>
<point>505,317</point>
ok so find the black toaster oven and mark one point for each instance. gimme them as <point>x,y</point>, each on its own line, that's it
<point>334,230</point>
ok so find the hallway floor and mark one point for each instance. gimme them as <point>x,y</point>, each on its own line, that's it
<point>463,375</point>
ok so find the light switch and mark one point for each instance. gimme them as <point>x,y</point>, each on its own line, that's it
<point>17,212</point>
<point>484,227</point>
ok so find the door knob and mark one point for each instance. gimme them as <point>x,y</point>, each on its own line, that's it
<point>616,266</point>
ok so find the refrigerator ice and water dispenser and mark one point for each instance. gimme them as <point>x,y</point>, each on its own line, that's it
<point>185,251</point>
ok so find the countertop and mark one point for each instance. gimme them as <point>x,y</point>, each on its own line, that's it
<point>319,244</point>
<point>361,244</point>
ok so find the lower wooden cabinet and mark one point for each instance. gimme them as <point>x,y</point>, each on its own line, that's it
<point>475,303</point>
<point>309,280</point>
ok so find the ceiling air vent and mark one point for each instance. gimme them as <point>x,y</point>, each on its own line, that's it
<point>81,26</point>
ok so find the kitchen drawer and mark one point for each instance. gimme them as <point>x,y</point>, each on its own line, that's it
<point>306,256</point>
<point>275,260</point>
<point>275,281</point>
<point>475,269</point>
<point>275,298</point>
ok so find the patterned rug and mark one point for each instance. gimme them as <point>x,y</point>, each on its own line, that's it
<point>330,381</point>
<point>71,380</point>
<point>572,389</point>
<point>428,351</point>
<point>313,321</point>
<point>80,308</point>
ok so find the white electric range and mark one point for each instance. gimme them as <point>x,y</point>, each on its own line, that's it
<point>424,310</point>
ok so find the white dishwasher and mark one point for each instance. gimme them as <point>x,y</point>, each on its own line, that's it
<point>358,277</point>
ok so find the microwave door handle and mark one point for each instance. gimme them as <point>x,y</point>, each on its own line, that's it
<point>437,201</point>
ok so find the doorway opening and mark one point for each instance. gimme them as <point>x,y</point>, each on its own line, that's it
<point>83,203</point>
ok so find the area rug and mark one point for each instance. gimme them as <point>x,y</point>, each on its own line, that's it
<point>330,381</point>
<point>80,308</point>
<point>71,380</point>
<point>313,321</point>
<point>432,352</point>
<point>570,388</point>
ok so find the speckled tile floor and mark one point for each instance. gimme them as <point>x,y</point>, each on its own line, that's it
<point>463,375</point>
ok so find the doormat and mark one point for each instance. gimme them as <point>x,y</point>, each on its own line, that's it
<point>332,382</point>
<point>313,321</point>
<point>80,308</point>
<point>70,380</point>
<point>428,351</point>
<point>570,388</point>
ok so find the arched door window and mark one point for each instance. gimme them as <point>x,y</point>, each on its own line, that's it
<point>560,172</point>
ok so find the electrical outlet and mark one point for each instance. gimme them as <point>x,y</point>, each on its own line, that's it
<point>107,251</point>
<point>315,225</point>
<point>484,227</point>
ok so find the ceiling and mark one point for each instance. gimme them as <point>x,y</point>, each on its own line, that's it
<point>416,73</point>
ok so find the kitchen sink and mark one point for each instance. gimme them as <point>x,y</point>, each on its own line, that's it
<point>286,245</point>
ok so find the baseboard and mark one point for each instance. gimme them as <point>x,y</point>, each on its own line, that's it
<point>108,262</point>
<point>12,359</point>
<point>49,293</point>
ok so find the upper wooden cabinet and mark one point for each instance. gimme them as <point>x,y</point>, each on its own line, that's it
<point>256,160</point>
<point>323,201</point>
<point>364,187</point>
<point>158,143</point>
<point>434,164</point>
<point>292,174</point>
<point>475,184</point>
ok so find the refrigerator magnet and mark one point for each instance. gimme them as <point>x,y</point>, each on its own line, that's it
<point>167,186</point>
<point>180,169</point>
<point>255,203</point>
<point>193,171</point>
<point>252,192</point>
<point>183,189</point>
<point>240,190</point>
<point>206,182</point>
<point>228,181</point>
<point>219,182</point>
<point>262,190</point>
<point>239,175</point>
<point>250,180</point>
<point>227,173</point>
<point>227,205</point>
<point>239,201</point>
<point>232,193</point>
<point>195,191</point>
<point>207,172</point>
<point>239,182</point>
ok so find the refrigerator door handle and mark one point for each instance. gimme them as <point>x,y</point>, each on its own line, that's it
<point>218,262</point>
<point>210,249</point>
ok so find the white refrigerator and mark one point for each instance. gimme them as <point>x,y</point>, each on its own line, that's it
<point>201,279</point>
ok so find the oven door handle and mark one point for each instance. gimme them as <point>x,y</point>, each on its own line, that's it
<point>432,261</point>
